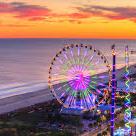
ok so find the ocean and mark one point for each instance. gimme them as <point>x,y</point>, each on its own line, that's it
<point>26,61</point>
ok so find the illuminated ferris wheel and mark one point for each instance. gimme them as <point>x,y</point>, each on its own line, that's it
<point>79,77</point>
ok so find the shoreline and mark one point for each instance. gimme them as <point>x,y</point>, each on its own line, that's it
<point>31,98</point>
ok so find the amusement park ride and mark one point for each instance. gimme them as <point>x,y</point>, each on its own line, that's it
<point>75,80</point>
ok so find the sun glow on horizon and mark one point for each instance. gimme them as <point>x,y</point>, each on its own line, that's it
<point>71,19</point>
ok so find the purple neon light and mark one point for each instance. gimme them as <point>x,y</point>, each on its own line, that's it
<point>77,77</point>
<point>79,82</point>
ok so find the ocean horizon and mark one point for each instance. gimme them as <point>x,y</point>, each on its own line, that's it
<point>27,60</point>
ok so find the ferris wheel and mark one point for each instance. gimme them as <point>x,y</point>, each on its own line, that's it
<point>79,77</point>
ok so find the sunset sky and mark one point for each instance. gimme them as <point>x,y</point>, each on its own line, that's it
<point>68,19</point>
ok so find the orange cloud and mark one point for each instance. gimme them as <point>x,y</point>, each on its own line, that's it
<point>79,15</point>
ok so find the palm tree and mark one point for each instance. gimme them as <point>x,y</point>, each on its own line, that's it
<point>99,134</point>
<point>104,133</point>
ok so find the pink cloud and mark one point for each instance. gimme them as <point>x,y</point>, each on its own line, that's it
<point>22,10</point>
<point>113,13</point>
<point>36,12</point>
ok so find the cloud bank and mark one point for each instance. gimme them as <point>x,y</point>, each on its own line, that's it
<point>30,12</point>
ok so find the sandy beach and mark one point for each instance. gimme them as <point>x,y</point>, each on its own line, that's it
<point>33,94</point>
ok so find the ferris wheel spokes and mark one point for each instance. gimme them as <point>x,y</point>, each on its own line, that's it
<point>75,71</point>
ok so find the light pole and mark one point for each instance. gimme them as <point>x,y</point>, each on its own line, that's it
<point>113,89</point>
